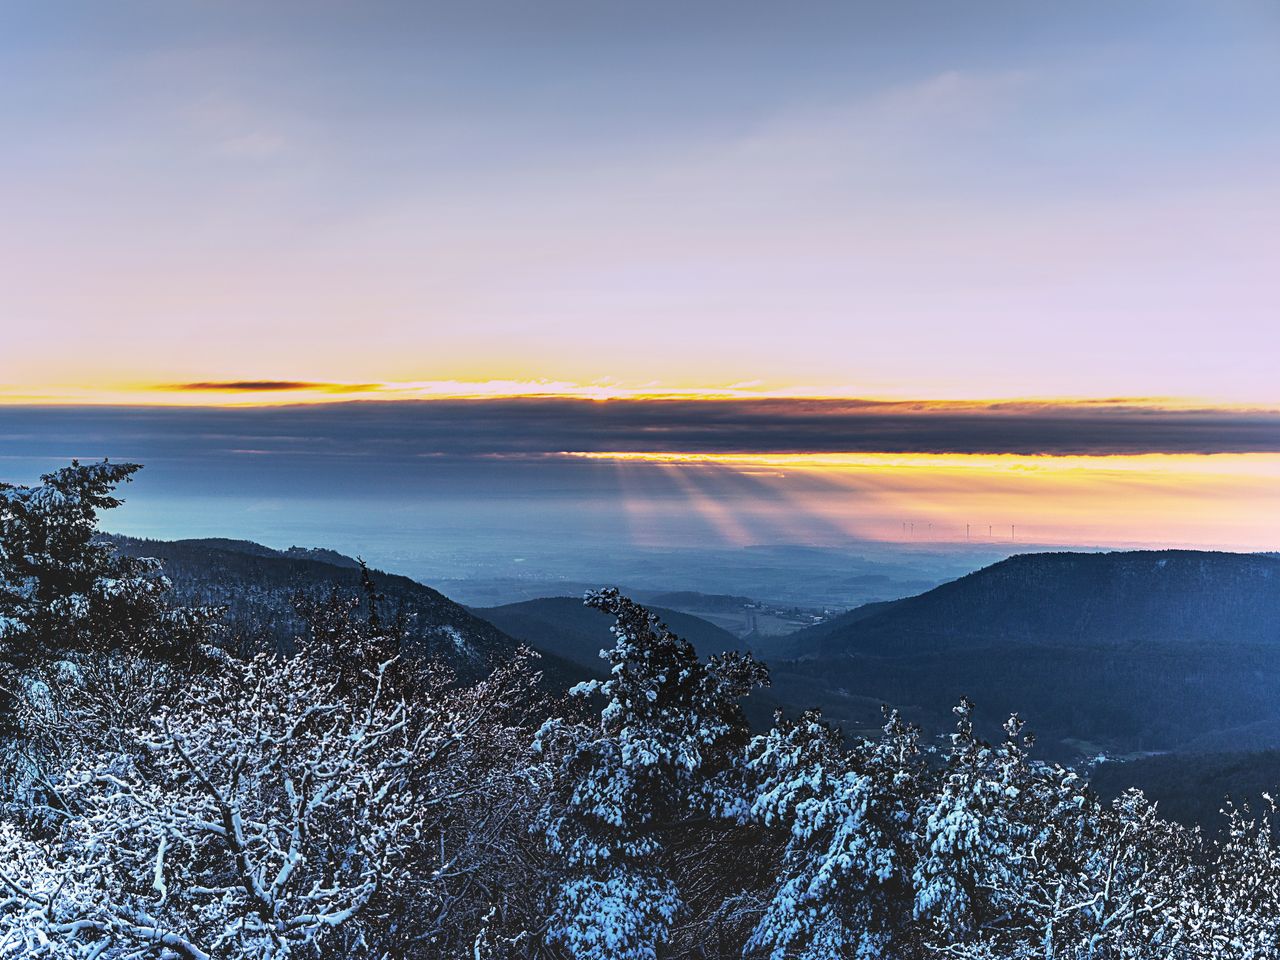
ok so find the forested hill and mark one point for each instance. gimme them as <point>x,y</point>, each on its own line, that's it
<point>258,584</point>
<point>1070,600</point>
<point>567,627</point>
<point>1120,652</point>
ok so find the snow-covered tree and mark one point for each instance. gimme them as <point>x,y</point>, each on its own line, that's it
<point>90,644</point>
<point>257,821</point>
<point>63,589</point>
<point>273,815</point>
<point>1236,915</point>
<point>1140,869</point>
<point>50,565</point>
<point>67,597</point>
<point>1069,879</point>
<point>666,753</point>
<point>968,835</point>
<point>848,815</point>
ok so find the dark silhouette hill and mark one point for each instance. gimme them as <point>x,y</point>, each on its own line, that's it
<point>258,584</point>
<point>567,627</point>
<point>1193,788</point>
<point>1072,599</point>
<point>1116,652</point>
<point>258,550</point>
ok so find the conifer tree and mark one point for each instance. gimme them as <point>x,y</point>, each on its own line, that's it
<point>665,755</point>
<point>841,889</point>
<point>65,592</point>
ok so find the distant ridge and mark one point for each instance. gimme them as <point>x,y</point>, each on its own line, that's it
<point>1072,599</point>
<point>1101,652</point>
<point>252,549</point>
<point>257,584</point>
<point>567,627</point>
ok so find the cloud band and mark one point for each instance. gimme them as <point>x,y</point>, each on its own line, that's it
<point>539,426</point>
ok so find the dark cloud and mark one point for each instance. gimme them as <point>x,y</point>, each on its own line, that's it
<point>407,431</point>
<point>257,386</point>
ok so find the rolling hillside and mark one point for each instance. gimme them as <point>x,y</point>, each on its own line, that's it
<point>1072,599</point>
<point>1116,652</point>
<point>257,584</point>
<point>568,628</point>
<point>1122,653</point>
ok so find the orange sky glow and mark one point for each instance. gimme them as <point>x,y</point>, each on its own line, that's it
<point>252,393</point>
<point>1223,501</point>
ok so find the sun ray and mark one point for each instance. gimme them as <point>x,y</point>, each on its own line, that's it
<point>1226,500</point>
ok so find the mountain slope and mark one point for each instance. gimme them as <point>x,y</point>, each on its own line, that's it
<point>257,584</point>
<point>1192,787</point>
<point>1073,599</point>
<point>570,629</point>
<point>805,641</point>
<point>1116,652</point>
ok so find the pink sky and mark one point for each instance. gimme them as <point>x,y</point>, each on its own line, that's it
<point>911,202</point>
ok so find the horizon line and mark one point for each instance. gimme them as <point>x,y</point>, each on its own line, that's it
<point>246,393</point>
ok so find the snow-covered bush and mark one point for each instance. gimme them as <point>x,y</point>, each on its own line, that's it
<point>257,821</point>
<point>270,817</point>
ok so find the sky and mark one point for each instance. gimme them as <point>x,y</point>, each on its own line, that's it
<point>981,264</point>
<point>456,480</point>
<point>989,199</point>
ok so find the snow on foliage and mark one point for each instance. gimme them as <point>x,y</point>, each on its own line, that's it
<point>666,749</point>
<point>166,799</point>
<point>267,816</point>
<point>843,813</point>
<point>62,592</point>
